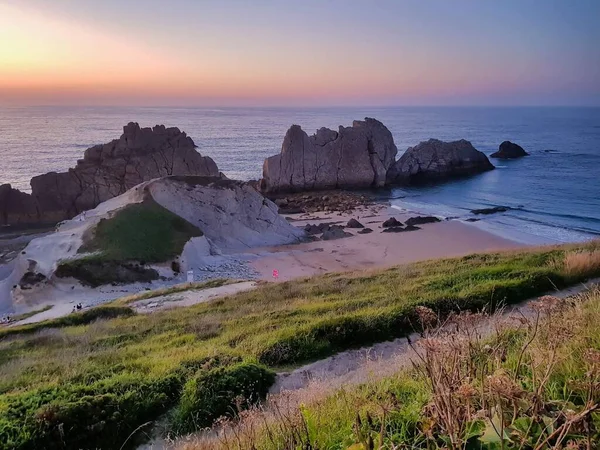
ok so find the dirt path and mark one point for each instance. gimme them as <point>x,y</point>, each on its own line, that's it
<point>357,366</point>
<point>189,298</point>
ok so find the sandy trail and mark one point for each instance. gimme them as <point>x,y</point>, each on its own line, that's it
<point>356,366</point>
<point>189,298</point>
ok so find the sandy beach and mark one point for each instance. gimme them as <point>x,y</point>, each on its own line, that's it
<point>376,249</point>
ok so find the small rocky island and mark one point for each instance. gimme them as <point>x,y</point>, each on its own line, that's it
<point>509,150</point>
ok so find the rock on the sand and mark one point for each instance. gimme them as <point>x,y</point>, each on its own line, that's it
<point>352,157</point>
<point>435,160</point>
<point>106,171</point>
<point>335,233</point>
<point>391,222</point>
<point>365,231</point>
<point>420,220</point>
<point>509,150</point>
<point>353,223</point>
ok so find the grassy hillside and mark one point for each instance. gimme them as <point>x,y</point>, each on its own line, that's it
<point>534,383</point>
<point>143,232</point>
<point>91,384</point>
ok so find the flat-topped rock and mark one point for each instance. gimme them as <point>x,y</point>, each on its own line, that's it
<point>435,160</point>
<point>509,150</point>
<point>106,171</point>
<point>353,157</point>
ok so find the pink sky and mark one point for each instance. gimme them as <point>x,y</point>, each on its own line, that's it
<point>314,53</point>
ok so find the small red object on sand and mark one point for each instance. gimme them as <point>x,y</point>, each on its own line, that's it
<point>275,273</point>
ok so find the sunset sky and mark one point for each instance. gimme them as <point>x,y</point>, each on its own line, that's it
<point>302,52</point>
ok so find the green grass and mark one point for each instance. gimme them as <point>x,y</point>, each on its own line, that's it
<point>141,232</point>
<point>392,411</point>
<point>101,380</point>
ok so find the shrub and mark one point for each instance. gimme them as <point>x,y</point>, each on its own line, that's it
<point>74,416</point>
<point>220,392</point>
<point>581,264</point>
<point>93,271</point>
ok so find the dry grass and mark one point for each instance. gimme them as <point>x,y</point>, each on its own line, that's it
<point>578,262</point>
<point>527,381</point>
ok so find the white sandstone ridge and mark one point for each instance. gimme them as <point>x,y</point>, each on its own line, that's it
<point>231,217</point>
<point>353,157</point>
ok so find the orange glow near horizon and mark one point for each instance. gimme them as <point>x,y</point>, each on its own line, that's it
<point>46,59</point>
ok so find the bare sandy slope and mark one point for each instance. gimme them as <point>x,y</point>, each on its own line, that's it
<point>374,250</point>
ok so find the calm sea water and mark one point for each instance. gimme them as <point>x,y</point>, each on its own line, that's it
<point>555,191</point>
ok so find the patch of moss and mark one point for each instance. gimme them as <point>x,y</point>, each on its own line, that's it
<point>144,232</point>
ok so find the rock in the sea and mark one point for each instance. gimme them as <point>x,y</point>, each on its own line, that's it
<point>420,220</point>
<point>353,157</point>
<point>509,150</point>
<point>353,223</point>
<point>106,171</point>
<point>495,209</point>
<point>391,222</point>
<point>435,160</point>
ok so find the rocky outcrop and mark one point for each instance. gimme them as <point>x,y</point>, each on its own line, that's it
<point>353,157</point>
<point>436,160</point>
<point>509,150</point>
<point>232,216</point>
<point>16,207</point>
<point>106,171</point>
<point>421,220</point>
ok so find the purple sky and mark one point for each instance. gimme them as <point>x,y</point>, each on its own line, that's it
<point>329,52</point>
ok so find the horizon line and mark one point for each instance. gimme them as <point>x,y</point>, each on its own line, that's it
<point>293,107</point>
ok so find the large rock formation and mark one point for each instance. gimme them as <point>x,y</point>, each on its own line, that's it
<point>435,160</point>
<point>106,171</point>
<point>509,150</point>
<point>353,157</point>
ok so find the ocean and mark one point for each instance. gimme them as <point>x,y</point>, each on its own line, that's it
<point>554,193</point>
